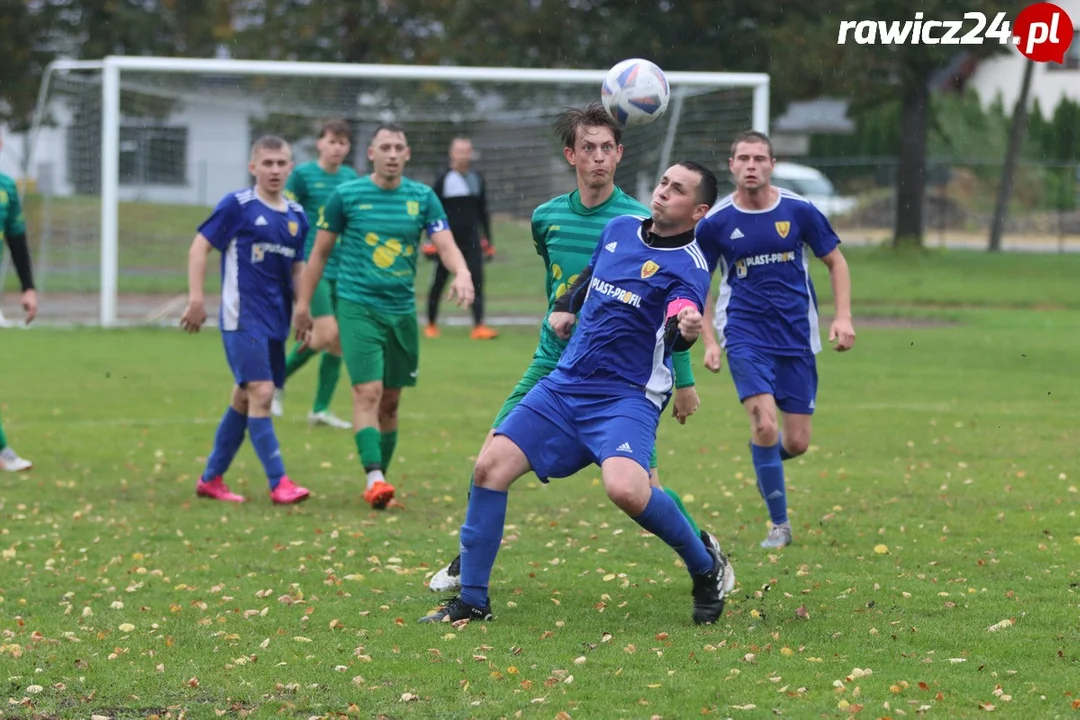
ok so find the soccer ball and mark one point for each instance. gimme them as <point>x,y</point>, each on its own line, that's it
<point>635,92</point>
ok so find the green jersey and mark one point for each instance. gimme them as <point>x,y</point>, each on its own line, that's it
<point>378,236</point>
<point>565,233</point>
<point>311,186</point>
<point>12,222</point>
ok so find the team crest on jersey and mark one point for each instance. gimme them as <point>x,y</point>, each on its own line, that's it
<point>258,253</point>
<point>294,227</point>
<point>783,227</point>
<point>412,207</point>
<point>740,268</point>
<point>3,197</point>
<point>649,269</point>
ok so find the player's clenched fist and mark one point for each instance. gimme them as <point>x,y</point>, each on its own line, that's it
<point>690,322</point>
<point>562,323</point>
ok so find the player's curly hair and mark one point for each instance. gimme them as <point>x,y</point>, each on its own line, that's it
<point>571,120</point>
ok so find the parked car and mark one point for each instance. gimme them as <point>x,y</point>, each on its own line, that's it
<point>812,185</point>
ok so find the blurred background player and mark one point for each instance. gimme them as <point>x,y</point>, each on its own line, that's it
<point>260,235</point>
<point>463,194</point>
<point>766,316</point>
<point>379,219</point>
<point>310,185</point>
<point>640,296</point>
<point>565,231</point>
<point>13,228</point>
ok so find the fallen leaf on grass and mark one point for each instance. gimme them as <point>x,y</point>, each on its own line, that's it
<point>409,697</point>
<point>1001,625</point>
<point>881,549</point>
<point>801,612</point>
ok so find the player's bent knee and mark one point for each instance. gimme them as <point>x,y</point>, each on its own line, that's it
<point>367,396</point>
<point>259,396</point>
<point>499,465</point>
<point>326,335</point>
<point>627,484</point>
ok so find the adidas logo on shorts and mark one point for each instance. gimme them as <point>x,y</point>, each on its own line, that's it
<point>625,447</point>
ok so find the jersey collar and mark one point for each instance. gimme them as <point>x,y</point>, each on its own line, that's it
<point>664,242</point>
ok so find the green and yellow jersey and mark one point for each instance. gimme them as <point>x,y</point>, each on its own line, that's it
<point>311,186</point>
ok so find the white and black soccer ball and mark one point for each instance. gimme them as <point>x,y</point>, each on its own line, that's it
<point>635,92</point>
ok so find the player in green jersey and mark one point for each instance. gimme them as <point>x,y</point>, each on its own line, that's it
<point>310,185</point>
<point>565,230</point>
<point>379,219</point>
<point>13,231</point>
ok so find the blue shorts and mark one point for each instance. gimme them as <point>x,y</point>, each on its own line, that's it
<point>253,358</point>
<point>791,380</point>
<point>562,432</point>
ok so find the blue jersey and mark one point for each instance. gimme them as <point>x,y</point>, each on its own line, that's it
<point>766,299</point>
<point>259,245</point>
<point>619,347</point>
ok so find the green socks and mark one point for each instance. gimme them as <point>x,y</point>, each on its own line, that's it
<point>297,358</point>
<point>387,444</point>
<point>369,445</point>
<point>3,438</point>
<point>329,372</point>
<point>682,508</point>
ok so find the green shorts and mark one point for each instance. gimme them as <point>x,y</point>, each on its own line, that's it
<point>378,346</point>
<point>323,302</point>
<point>538,370</point>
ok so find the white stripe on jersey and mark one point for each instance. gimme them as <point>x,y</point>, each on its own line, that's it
<point>811,314</point>
<point>723,299</point>
<point>694,251</point>
<point>230,290</point>
<point>245,196</point>
<point>720,204</point>
<point>790,195</point>
<point>660,381</point>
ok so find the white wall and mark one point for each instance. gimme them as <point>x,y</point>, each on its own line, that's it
<point>1004,74</point>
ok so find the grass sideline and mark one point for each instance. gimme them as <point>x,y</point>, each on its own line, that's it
<point>935,570</point>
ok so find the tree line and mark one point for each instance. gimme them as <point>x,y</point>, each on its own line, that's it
<point>795,43</point>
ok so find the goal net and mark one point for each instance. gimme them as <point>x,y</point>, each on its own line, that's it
<point>110,239</point>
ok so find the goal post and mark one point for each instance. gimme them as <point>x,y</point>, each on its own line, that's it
<point>141,100</point>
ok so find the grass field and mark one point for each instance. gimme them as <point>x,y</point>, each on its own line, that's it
<point>935,571</point>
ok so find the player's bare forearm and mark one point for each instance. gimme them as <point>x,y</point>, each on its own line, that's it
<point>840,278</point>
<point>197,261</point>
<point>449,253</point>
<point>312,270</point>
<point>297,275</point>
<point>708,330</point>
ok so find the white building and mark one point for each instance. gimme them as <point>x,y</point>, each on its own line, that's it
<point>1003,74</point>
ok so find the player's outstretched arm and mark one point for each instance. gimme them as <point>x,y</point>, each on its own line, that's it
<point>195,313</point>
<point>451,257</point>
<point>841,332</point>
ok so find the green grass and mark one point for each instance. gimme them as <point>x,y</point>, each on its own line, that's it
<point>939,499</point>
<point>155,238</point>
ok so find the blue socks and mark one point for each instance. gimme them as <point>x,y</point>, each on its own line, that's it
<point>784,454</point>
<point>663,519</point>
<point>481,535</point>
<point>768,465</point>
<point>267,448</point>
<point>227,442</point>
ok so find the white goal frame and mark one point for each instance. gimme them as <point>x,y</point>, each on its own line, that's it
<point>113,66</point>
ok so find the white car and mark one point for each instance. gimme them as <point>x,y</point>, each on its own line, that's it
<point>812,185</point>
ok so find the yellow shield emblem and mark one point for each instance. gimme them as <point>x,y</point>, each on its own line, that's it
<point>783,228</point>
<point>649,269</point>
<point>412,207</point>
<point>294,227</point>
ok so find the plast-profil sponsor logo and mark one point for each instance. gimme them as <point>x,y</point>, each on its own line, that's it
<point>1042,32</point>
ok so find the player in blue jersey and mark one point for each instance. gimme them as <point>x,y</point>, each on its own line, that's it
<point>639,299</point>
<point>260,235</point>
<point>761,239</point>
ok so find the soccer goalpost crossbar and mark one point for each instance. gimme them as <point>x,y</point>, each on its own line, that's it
<point>712,123</point>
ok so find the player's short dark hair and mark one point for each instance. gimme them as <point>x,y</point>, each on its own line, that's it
<point>392,127</point>
<point>571,120</point>
<point>269,142</point>
<point>706,192</point>
<point>336,127</point>
<point>752,136</point>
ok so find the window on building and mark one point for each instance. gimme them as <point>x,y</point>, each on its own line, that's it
<point>153,155</point>
<point>1072,56</point>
